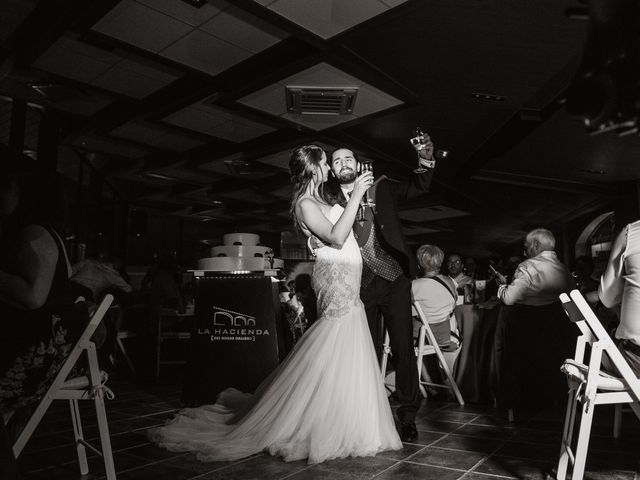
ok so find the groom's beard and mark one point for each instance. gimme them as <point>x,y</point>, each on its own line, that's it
<point>346,175</point>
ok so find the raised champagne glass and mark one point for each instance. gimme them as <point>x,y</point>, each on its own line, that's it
<point>420,142</point>
<point>365,166</point>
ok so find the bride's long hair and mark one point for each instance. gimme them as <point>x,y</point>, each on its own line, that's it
<point>304,164</point>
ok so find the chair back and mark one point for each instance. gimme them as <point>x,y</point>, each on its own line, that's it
<point>82,344</point>
<point>594,334</point>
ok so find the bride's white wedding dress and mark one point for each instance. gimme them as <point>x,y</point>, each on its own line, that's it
<point>326,400</point>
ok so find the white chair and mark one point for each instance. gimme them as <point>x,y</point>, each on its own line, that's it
<point>427,345</point>
<point>590,386</point>
<point>89,387</point>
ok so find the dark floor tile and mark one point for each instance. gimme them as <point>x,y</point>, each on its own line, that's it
<point>128,440</point>
<point>142,410</point>
<point>482,476</point>
<point>598,460</point>
<point>470,444</point>
<point>408,449</point>
<point>152,452</point>
<point>484,431</point>
<point>609,475</point>
<point>191,463</point>
<point>428,424</point>
<point>315,473</point>
<point>155,472</point>
<point>59,473</point>
<point>411,471</point>
<point>263,467</point>
<point>545,437</point>
<point>530,451</point>
<point>121,460</point>
<point>451,416</point>
<point>427,438</point>
<point>132,424</point>
<point>493,420</point>
<point>52,440</point>
<point>359,467</point>
<point>610,444</point>
<point>515,467</point>
<point>52,456</point>
<point>441,457</point>
<point>477,409</point>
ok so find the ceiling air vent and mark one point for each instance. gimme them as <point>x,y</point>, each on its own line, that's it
<point>321,100</point>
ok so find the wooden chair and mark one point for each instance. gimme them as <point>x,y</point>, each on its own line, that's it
<point>427,345</point>
<point>89,387</point>
<point>590,386</point>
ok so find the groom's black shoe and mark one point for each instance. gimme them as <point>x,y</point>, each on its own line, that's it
<point>408,431</point>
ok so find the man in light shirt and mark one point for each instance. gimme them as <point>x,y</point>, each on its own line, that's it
<point>533,335</point>
<point>541,278</point>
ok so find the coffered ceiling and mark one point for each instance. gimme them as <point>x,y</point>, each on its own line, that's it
<point>189,103</point>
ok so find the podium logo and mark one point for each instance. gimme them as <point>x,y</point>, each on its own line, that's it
<point>224,317</point>
<point>233,326</point>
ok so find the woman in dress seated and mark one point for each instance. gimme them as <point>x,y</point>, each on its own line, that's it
<point>436,294</point>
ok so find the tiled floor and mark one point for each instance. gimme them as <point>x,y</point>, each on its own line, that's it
<point>472,442</point>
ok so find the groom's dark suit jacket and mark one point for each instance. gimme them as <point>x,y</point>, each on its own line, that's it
<point>386,193</point>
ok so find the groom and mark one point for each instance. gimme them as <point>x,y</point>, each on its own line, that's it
<point>388,267</point>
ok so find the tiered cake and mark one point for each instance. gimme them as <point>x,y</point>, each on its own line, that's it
<point>240,252</point>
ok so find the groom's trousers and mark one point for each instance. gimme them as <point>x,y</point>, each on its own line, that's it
<point>393,301</point>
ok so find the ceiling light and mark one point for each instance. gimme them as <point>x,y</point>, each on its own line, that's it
<point>597,172</point>
<point>488,96</point>
<point>160,176</point>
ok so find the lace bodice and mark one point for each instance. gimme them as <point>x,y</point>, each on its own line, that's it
<point>336,275</point>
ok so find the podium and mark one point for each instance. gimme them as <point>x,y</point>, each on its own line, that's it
<point>236,336</point>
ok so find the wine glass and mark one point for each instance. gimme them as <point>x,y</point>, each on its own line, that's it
<point>420,143</point>
<point>365,201</point>
<point>367,166</point>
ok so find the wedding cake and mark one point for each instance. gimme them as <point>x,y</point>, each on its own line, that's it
<point>241,251</point>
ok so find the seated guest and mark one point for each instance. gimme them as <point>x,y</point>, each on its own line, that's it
<point>435,293</point>
<point>95,276</point>
<point>533,336</point>
<point>40,322</point>
<point>455,269</point>
<point>541,278</point>
<point>620,286</point>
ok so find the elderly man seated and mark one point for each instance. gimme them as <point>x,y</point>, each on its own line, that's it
<point>533,336</point>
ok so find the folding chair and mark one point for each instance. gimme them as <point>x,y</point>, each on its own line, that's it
<point>424,349</point>
<point>90,387</point>
<point>590,386</point>
<point>427,345</point>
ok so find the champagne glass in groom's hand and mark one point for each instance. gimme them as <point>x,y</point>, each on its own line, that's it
<point>365,166</point>
<point>424,148</point>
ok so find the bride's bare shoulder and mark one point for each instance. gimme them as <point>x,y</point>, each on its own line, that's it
<point>311,206</point>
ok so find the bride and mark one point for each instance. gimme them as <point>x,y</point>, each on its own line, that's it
<point>327,399</point>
